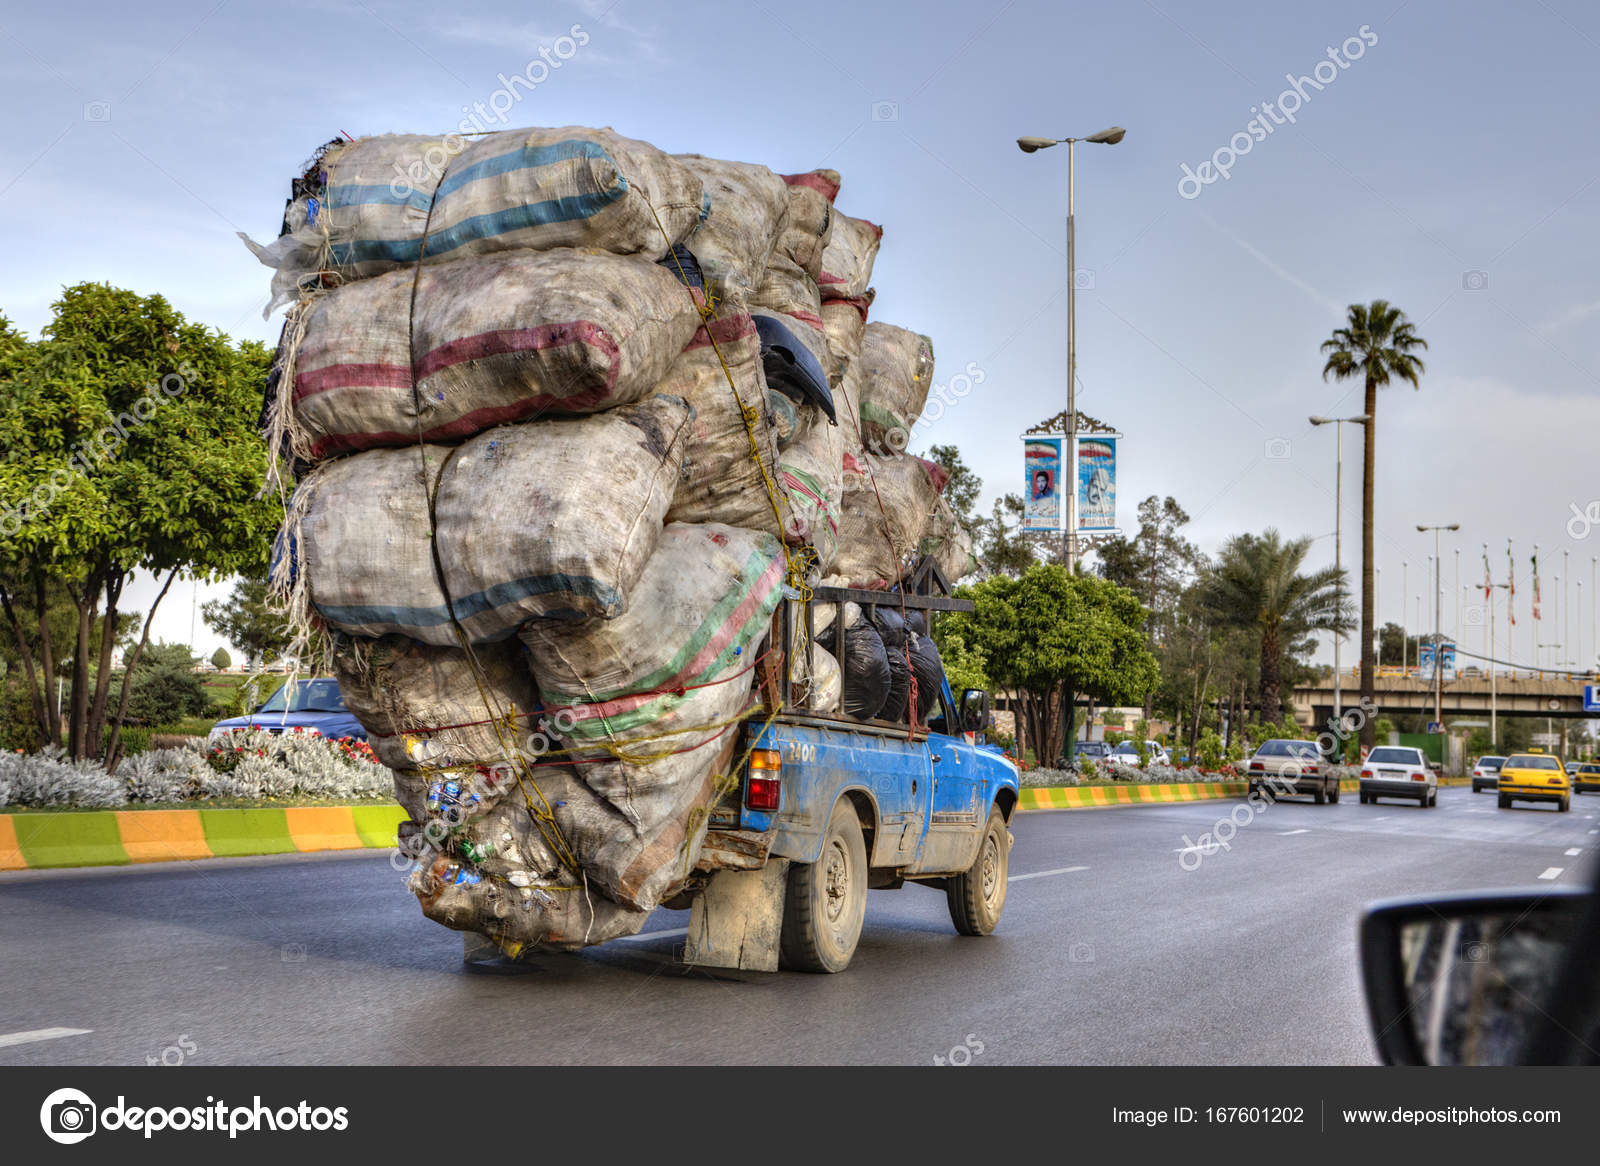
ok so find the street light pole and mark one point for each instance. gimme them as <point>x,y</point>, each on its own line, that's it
<point>1438,629</point>
<point>1338,540</point>
<point>1069,452</point>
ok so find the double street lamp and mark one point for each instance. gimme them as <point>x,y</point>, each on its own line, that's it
<point>1069,452</point>
<point>1338,537</point>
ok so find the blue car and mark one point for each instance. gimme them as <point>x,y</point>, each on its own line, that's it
<point>314,704</point>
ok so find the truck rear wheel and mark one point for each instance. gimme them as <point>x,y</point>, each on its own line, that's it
<point>978,896</point>
<point>826,901</point>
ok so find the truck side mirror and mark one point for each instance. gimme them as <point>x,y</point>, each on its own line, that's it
<point>975,711</point>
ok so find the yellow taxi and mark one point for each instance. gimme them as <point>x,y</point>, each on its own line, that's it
<point>1534,777</point>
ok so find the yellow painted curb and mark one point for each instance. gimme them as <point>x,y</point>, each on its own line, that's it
<point>1099,796</point>
<point>162,835</point>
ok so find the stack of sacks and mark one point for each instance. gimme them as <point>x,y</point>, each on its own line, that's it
<point>563,403</point>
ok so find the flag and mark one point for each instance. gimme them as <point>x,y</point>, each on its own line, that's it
<point>1511,584</point>
<point>1488,585</point>
<point>1536,587</point>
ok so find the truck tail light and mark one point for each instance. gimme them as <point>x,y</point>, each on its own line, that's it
<point>762,779</point>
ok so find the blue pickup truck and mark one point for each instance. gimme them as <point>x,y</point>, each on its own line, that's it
<point>830,806</point>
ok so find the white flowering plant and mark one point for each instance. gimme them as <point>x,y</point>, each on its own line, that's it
<point>245,765</point>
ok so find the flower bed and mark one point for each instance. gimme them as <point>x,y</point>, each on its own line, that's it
<point>250,765</point>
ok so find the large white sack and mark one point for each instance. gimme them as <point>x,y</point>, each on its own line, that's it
<point>808,223</point>
<point>695,615</point>
<point>724,479</point>
<point>949,543</point>
<point>746,205</point>
<point>490,340</point>
<point>525,527</point>
<point>811,474</point>
<point>847,260</point>
<point>888,503</point>
<point>426,707</point>
<point>363,207</point>
<point>897,372</point>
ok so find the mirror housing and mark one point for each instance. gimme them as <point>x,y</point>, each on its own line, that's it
<point>974,712</point>
<point>1466,979</point>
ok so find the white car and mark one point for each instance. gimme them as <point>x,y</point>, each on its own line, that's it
<point>1486,773</point>
<point>1398,771</point>
<point>1127,754</point>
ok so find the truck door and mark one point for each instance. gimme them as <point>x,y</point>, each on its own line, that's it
<point>954,815</point>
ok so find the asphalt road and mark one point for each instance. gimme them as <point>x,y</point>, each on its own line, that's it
<point>1110,952</point>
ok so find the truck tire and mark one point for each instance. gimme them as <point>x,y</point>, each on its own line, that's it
<point>826,901</point>
<point>1505,802</point>
<point>978,896</point>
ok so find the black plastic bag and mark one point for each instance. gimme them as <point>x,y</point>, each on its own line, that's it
<point>928,668</point>
<point>866,667</point>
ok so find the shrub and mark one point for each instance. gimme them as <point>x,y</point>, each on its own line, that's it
<point>248,765</point>
<point>220,659</point>
<point>165,687</point>
<point>1209,750</point>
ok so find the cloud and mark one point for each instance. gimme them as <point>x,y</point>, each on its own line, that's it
<point>1570,316</point>
<point>1288,277</point>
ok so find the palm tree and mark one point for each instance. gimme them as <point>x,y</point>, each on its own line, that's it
<point>1255,583</point>
<point>1377,344</point>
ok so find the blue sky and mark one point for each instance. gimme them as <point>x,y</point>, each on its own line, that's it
<point>140,138</point>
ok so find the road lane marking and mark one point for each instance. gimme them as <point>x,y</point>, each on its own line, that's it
<point>21,1038</point>
<point>1385,818</point>
<point>1039,874</point>
<point>1553,872</point>
<point>1286,833</point>
<point>643,935</point>
<point>1574,852</point>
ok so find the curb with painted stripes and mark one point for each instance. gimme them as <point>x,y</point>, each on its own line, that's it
<point>1093,797</point>
<point>117,837</point>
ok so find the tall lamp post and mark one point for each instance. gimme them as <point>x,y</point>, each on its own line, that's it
<point>1438,631</point>
<point>1338,538</point>
<point>1106,137</point>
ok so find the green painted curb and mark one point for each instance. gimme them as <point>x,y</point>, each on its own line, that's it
<point>377,825</point>
<point>233,833</point>
<point>68,839</point>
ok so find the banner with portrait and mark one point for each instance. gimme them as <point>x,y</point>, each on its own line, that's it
<point>1097,484</point>
<point>1041,457</point>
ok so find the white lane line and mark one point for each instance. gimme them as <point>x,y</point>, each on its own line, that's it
<point>1552,872</point>
<point>1574,852</point>
<point>1286,833</point>
<point>1040,874</point>
<point>1385,817</point>
<point>644,935</point>
<point>22,1038</point>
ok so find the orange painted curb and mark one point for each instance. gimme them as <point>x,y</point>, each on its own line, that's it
<point>10,853</point>
<point>322,828</point>
<point>162,835</point>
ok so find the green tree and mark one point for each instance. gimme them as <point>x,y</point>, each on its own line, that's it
<point>1002,548</point>
<point>1378,345</point>
<point>962,490</point>
<point>965,665</point>
<point>127,442</point>
<point>220,660</point>
<point>1256,584</point>
<point>1394,646</point>
<point>247,620</point>
<point>165,687</point>
<point>1049,637</point>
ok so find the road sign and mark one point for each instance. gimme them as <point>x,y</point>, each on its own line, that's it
<point>1435,727</point>
<point>1591,698</point>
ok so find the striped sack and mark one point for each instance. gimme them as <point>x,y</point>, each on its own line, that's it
<point>364,207</point>
<point>526,527</point>
<point>492,340</point>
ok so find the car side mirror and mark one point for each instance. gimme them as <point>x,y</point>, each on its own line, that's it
<point>1466,979</point>
<point>974,711</point>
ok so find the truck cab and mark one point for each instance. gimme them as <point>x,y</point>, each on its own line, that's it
<point>827,806</point>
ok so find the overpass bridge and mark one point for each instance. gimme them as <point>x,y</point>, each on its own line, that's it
<point>1520,694</point>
